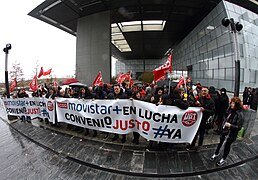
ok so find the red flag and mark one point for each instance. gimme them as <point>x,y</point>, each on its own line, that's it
<point>33,84</point>
<point>13,85</point>
<point>161,78</point>
<point>40,72</point>
<point>131,83</point>
<point>98,80</point>
<point>181,82</point>
<point>55,84</point>
<point>47,72</point>
<point>161,71</point>
<point>123,77</point>
<point>189,80</point>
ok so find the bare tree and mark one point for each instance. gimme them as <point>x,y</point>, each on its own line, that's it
<point>17,72</point>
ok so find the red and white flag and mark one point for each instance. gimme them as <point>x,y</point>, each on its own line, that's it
<point>41,72</point>
<point>33,84</point>
<point>161,71</point>
<point>123,77</point>
<point>47,72</point>
<point>13,85</point>
<point>161,78</point>
<point>55,84</point>
<point>183,81</point>
<point>98,80</point>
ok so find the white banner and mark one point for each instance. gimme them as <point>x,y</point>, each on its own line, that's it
<point>158,123</point>
<point>28,108</point>
<point>3,113</point>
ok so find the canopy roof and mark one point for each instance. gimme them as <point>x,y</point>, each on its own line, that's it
<point>178,18</point>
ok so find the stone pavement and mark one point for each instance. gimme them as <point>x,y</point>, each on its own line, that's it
<point>39,151</point>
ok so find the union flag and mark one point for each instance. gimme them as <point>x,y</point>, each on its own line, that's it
<point>123,77</point>
<point>98,80</point>
<point>33,84</point>
<point>41,72</point>
<point>160,72</point>
<point>13,85</point>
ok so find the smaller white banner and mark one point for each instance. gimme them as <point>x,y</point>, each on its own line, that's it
<point>29,108</point>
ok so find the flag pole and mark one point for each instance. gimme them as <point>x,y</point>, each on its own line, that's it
<point>169,79</point>
<point>37,79</point>
<point>169,83</point>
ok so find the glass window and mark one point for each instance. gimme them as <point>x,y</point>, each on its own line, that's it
<point>229,74</point>
<point>208,74</point>
<point>221,74</point>
<point>216,74</point>
<point>203,49</point>
<point>252,76</point>
<point>228,49</point>
<point>212,45</point>
<point>200,74</point>
<point>221,52</point>
<point>241,75</point>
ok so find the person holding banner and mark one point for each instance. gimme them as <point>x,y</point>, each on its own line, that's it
<point>52,94</point>
<point>157,99</point>
<point>178,99</point>
<point>137,96</point>
<point>231,125</point>
<point>158,96</point>
<point>118,94</point>
<point>208,109</point>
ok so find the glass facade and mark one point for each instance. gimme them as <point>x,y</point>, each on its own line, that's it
<point>209,51</point>
<point>209,48</point>
<point>137,66</point>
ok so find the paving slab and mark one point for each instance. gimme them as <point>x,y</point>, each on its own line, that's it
<point>49,153</point>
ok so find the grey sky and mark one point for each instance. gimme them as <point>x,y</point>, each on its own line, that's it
<point>34,41</point>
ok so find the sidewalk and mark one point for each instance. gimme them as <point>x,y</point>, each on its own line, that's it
<point>133,160</point>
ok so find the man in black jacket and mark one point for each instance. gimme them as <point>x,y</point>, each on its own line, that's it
<point>208,109</point>
<point>177,99</point>
<point>118,94</point>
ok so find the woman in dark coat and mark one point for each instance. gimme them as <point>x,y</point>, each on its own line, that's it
<point>232,124</point>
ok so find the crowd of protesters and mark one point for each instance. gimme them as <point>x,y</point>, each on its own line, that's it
<point>219,112</point>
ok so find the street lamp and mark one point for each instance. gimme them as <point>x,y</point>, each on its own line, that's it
<point>6,50</point>
<point>235,27</point>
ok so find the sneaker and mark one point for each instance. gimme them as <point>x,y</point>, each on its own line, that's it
<point>213,157</point>
<point>221,162</point>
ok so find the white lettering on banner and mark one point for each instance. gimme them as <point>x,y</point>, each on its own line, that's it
<point>158,123</point>
<point>28,108</point>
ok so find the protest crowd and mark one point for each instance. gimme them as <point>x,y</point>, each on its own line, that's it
<point>220,113</point>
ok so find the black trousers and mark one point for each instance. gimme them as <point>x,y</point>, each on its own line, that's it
<point>201,132</point>
<point>227,145</point>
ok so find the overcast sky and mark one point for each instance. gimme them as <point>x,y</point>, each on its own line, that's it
<point>34,41</point>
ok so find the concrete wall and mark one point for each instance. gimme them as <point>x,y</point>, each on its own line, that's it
<point>93,48</point>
